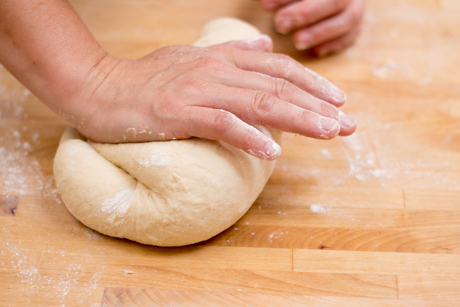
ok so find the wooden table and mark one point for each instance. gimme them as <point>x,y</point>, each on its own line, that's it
<point>371,220</point>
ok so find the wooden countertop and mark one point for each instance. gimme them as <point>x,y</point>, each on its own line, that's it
<point>371,220</point>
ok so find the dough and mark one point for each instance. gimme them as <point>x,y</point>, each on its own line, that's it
<point>168,193</point>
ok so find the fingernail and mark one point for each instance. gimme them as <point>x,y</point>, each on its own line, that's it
<point>328,124</point>
<point>284,24</point>
<point>347,121</point>
<point>304,41</point>
<point>272,150</point>
<point>338,95</point>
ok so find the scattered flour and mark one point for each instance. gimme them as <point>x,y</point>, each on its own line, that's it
<point>318,208</point>
<point>21,173</point>
<point>47,283</point>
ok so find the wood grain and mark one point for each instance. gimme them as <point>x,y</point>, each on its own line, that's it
<point>150,297</point>
<point>429,287</point>
<point>372,219</point>
<point>376,263</point>
<point>432,200</point>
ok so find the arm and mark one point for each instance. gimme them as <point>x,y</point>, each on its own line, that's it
<point>175,92</point>
<point>48,49</point>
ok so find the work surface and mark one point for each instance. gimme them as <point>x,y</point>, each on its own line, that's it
<point>370,220</point>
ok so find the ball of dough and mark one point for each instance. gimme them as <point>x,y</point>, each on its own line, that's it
<point>168,193</point>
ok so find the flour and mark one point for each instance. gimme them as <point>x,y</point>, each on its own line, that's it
<point>156,159</point>
<point>12,97</point>
<point>21,173</point>
<point>119,204</point>
<point>37,282</point>
<point>326,153</point>
<point>325,86</point>
<point>318,208</point>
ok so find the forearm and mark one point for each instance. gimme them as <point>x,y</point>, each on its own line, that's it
<point>46,46</point>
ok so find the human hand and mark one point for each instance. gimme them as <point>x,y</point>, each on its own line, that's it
<point>325,26</point>
<point>216,93</point>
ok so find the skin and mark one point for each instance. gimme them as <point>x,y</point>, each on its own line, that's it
<point>325,26</point>
<point>176,92</point>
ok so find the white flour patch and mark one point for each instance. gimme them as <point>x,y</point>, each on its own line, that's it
<point>326,153</point>
<point>276,236</point>
<point>318,208</point>
<point>156,159</point>
<point>119,204</point>
<point>364,164</point>
<point>390,69</point>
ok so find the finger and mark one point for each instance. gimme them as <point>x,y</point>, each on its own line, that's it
<point>330,28</point>
<point>261,43</point>
<point>282,89</point>
<point>284,67</point>
<point>305,13</point>
<point>221,125</point>
<point>261,108</point>
<point>273,5</point>
<point>337,44</point>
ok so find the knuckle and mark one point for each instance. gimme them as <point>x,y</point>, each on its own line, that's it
<point>209,62</point>
<point>205,61</point>
<point>286,63</point>
<point>280,87</point>
<point>263,102</point>
<point>303,117</point>
<point>223,122</point>
<point>253,136</point>
<point>328,110</point>
<point>283,89</point>
<point>192,84</point>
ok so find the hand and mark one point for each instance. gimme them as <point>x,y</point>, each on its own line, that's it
<point>325,26</point>
<point>215,93</point>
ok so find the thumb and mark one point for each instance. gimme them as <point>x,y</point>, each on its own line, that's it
<point>262,43</point>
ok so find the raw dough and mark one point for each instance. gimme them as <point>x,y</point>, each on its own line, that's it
<point>168,193</point>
